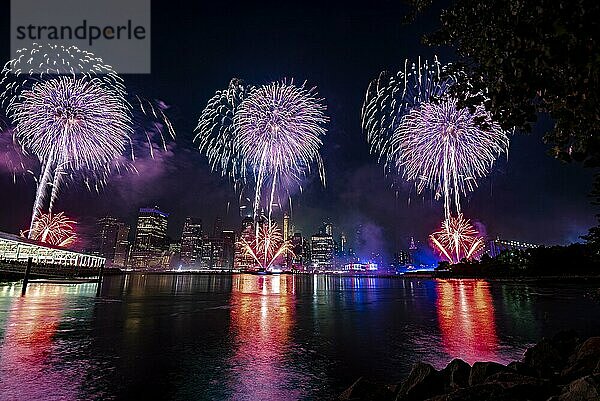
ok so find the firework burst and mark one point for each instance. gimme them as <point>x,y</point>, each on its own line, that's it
<point>54,229</point>
<point>70,111</point>
<point>215,130</point>
<point>446,149</point>
<point>457,239</point>
<point>266,246</point>
<point>278,136</point>
<point>267,138</point>
<point>391,96</point>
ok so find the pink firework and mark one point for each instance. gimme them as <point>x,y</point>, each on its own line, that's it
<point>54,229</point>
<point>457,239</point>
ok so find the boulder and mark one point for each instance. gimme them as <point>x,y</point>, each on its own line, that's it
<point>456,374</point>
<point>584,360</point>
<point>585,389</point>
<point>545,359</point>
<point>522,386</point>
<point>480,371</point>
<point>522,368</point>
<point>365,390</point>
<point>422,382</point>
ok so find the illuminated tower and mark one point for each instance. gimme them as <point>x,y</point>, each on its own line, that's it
<point>412,250</point>
<point>191,242</point>
<point>151,245</point>
<point>286,226</point>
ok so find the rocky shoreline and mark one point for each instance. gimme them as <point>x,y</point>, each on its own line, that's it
<point>562,368</point>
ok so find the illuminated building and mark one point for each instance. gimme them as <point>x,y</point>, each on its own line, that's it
<point>321,251</point>
<point>228,248</point>
<point>191,242</point>
<point>15,249</point>
<point>498,245</point>
<point>150,248</point>
<point>286,227</point>
<point>112,240</point>
<point>298,250</point>
<point>242,260</point>
<point>107,237</point>
<point>328,228</point>
<point>412,252</point>
<point>343,244</point>
<point>402,258</point>
<point>122,246</point>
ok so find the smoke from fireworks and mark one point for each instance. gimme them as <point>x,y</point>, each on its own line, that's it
<point>70,111</point>
<point>421,133</point>
<point>457,239</point>
<point>266,246</point>
<point>267,137</point>
<point>57,229</point>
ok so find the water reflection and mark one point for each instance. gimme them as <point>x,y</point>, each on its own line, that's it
<point>262,315</point>
<point>28,369</point>
<point>466,319</point>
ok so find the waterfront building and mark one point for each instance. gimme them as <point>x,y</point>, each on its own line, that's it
<point>322,250</point>
<point>15,249</point>
<point>150,248</point>
<point>242,260</point>
<point>112,240</point>
<point>191,243</point>
<point>122,246</point>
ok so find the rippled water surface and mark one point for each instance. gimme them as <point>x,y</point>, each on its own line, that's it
<point>243,337</point>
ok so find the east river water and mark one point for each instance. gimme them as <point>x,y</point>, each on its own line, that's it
<point>280,337</point>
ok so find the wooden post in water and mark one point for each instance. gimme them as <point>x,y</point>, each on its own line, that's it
<point>26,278</point>
<point>99,287</point>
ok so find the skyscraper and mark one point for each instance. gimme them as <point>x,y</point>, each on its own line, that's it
<point>321,250</point>
<point>112,240</point>
<point>286,226</point>
<point>122,246</point>
<point>191,242</point>
<point>107,237</point>
<point>243,260</point>
<point>150,248</point>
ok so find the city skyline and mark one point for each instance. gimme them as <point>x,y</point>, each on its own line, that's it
<point>530,196</point>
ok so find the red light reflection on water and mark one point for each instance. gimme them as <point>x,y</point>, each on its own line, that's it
<point>26,371</point>
<point>262,314</point>
<point>466,319</point>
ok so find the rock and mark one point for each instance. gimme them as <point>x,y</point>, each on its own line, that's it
<point>545,359</point>
<point>585,389</point>
<point>456,374</point>
<point>522,368</point>
<point>584,360</point>
<point>482,370</point>
<point>487,392</point>
<point>565,342</point>
<point>522,386</point>
<point>422,382</point>
<point>365,390</point>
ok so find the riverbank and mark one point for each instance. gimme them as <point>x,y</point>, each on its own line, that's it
<point>562,368</point>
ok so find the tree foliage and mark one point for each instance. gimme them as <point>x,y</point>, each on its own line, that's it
<point>533,56</point>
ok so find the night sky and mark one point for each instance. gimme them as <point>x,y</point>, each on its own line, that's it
<point>338,47</point>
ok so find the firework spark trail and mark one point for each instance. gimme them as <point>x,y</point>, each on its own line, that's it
<point>446,149</point>
<point>418,129</point>
<point>278,130</point>
<point>57,229</point>
<point>391,96</point>
<point>215,130</point>
<point>266,246</point>
<point>457,239</point>
<point>72,125</point>
<point>71,111</point>
<point>266,138</point>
